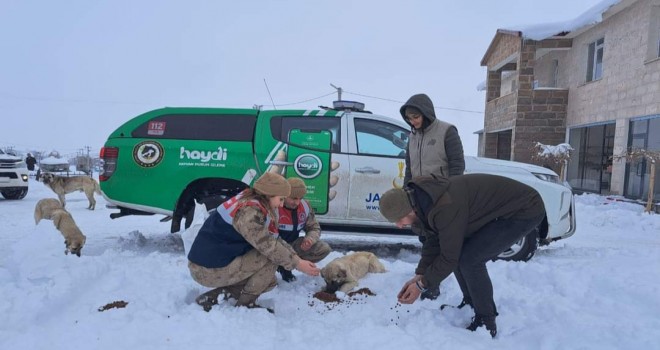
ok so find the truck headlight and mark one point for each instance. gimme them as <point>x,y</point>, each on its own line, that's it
<point>548,177</point>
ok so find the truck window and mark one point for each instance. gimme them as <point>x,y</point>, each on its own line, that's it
<point>380,138</point>
<point>210,127</point>
<point>281,126</point>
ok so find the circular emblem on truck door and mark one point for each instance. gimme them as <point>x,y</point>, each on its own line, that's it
<point>148,153</point>
<point>308,166</point>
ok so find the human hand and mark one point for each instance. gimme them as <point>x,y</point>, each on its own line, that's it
<point>409,292</point>
<point>306,244</point>
<point>308,267</point>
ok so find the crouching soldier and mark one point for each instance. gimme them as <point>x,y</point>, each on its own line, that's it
<point>237,250</point>
<point>468,220</point>
<point>296,215</point>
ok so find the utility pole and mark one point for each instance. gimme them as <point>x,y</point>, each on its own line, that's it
<point>338,92</point>
<point>89,162</point>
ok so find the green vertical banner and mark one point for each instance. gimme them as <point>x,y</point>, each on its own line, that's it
<point>309,153</point>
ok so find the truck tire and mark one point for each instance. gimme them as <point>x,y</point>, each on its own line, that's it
<point>15,193</point>
<point>523,250</point>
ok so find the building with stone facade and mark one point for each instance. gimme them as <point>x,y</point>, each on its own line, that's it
<point>593,82</point>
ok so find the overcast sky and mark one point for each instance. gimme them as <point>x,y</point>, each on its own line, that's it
<point>73,71</point>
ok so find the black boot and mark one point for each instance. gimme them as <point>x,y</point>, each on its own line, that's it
<point>287,275</point>
<point>488,321</point>
<point>464,302</point>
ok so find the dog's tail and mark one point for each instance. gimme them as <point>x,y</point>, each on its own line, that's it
<point>37,215</point>
<point>97,187</point>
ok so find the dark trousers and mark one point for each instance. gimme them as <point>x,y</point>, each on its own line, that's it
<point>483,246</point>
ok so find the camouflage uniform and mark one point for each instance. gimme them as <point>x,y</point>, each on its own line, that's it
<point>319,249</point>
<point>253,273</point>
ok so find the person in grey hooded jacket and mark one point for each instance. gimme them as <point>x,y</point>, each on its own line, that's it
<point>434,148</point>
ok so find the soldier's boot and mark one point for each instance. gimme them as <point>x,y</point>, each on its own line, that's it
<point>249,301</point>
<point>208,299</point>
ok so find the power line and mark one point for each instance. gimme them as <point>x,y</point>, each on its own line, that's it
<point>402,102</point>
<point>303,101</point>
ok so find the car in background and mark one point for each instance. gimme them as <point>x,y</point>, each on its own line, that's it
<point>13,176</point>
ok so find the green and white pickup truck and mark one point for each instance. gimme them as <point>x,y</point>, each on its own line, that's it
<point>160,162</point>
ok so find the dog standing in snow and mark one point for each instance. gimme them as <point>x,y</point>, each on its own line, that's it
<point>62,185</point>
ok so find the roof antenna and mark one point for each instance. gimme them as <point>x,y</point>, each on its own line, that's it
<point>271,96</point>
<point>339,90</point>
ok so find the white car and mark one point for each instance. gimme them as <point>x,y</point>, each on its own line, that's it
<point>372,161</point>
<point>13,176</point>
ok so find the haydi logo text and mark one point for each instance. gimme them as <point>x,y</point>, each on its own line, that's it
<point>204,156</point>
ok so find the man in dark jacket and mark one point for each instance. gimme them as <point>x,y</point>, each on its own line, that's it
<point>434,148</point>
<point>30,161</point>
<point>468,220</point>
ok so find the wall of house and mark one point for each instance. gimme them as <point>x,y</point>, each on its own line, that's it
<point>501,113</point>
<point>544,70</point>
<point>630,84</point>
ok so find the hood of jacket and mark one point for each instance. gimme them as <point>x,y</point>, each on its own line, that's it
<point>424,104</point>
<point>426,191</point>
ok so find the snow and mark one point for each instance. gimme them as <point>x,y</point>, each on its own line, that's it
<point>596,290</point>
<point>54,161</point>
<point>545,30</point>
<point>560,150</point>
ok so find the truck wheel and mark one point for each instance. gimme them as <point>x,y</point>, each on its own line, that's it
<point>15,194</point>
<point>523,250</point>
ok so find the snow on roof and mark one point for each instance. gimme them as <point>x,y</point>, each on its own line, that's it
<point>54,161</point>
<point>545,30</point>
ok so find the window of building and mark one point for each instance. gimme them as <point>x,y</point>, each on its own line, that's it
<point>595,60</point>
<point>653,51</point>
<point>645,134</point>
<point>590,168</point>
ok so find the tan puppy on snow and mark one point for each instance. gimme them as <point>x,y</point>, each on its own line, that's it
<point>73,237</point>
<point>343,273</point>
<point>51,209</point>
<point>44,209</point>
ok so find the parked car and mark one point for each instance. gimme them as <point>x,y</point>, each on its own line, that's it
<point>162,161</point>
<point>13,176</point>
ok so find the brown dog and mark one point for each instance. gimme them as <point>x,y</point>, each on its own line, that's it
<point>62,185</point>
<point>44,209</point>
<point>343,273</point>
<point>73,237</point>
<point>51,209</point>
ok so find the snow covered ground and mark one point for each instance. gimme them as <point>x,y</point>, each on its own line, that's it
<point>596,290</point>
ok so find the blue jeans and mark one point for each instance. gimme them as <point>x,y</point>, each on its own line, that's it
<point>484,245</point>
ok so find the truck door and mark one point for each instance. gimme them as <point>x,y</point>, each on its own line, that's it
<point>309,156</point>
<point>286,136</point>
<point>377,160</point>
